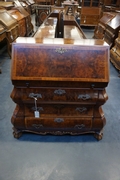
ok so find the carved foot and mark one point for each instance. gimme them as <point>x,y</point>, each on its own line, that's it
<point>98,136</point>
<point>17,134</point>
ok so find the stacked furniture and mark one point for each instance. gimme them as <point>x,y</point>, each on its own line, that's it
<point>115,53</point>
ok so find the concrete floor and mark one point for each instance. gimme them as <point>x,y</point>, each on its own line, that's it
<point>36,157</point>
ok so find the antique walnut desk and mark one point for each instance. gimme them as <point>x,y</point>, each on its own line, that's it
<point>11,26</point>
<point>21,21</point>
<point>91,12</point>
<point>59,86</point>
<point>101,27</point>
<point>112,29</point>
<point>29,25</point>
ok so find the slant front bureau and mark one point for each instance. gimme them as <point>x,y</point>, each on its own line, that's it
<point>59,86</point>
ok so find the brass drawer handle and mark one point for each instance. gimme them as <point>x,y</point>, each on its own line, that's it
<point>33,95</point>
<point>37,126</point>
<point>58,120</point>
<point>84,96</point>
<point>79,126</point>
<point>38,109</point>
<point>59,92</point>
<point>81,109</point>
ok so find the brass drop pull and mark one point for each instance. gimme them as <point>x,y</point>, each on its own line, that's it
<point>81,109</point>
<point>58,120</point>
<point>79,126</point>
<point>84,96</point>
<point>38,108</point>
<point>37,126</point>
<point>35,95</point>
<point>59,91</point>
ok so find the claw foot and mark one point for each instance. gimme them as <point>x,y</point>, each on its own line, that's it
<point>98,136</point>
<point>17,134</point>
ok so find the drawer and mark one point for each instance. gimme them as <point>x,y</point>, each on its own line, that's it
<point>59,122</point>
<point>57,94</point>
<point>60,109</point>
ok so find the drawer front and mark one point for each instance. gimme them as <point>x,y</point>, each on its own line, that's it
<point>59,109</point>
<point>57,94</point>
<point>60,123</point>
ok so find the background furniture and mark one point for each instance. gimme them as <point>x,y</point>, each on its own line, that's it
<point>21,21</point>
<point>11,26</point>
<point>41,13</point>
<point>29,25</point>
<point>101,27</point>
<point>112,30</point>
<point>115,53</point>
<point>90,12</point>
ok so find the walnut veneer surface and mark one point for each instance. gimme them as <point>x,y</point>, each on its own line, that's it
<point>63,79</point>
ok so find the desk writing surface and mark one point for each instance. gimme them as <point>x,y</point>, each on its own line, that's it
<point>47,29</point>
